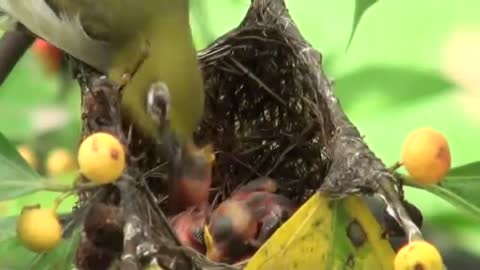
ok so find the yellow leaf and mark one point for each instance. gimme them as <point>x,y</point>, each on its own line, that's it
<point>327,234</point>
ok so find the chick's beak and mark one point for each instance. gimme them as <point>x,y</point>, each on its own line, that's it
<point>209,153</point>
<point>213,253</point>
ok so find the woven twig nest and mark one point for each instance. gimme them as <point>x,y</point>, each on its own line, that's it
<point>270,110</point>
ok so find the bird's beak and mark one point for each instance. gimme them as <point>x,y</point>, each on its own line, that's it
<point>208,151</point>
<point>212,251</point>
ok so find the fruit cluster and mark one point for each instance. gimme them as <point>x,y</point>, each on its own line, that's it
<point>58,161</point>
<point>101,159</point>
<point>426,157</point>
<point>238,226</point>
<point>234,230</point>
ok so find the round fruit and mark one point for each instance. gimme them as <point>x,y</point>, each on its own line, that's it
<point>418,255</point>
<point>60,161</point>
<point>426,156</point>
<point>39,229</point>
<point>28,155</point>
<point>101,158</point>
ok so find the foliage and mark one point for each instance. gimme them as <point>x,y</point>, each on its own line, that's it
<point>326,234</point>
<point>390,81</point>
<point>461,188</point>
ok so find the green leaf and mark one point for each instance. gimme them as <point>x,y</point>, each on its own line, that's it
<point>26,88</point>
<point>405,85</point>
<point>8,227</point>
<point>14,256</point>
<point>17,178</point>
<point>11,189</point>
<point>461,187</point>
<point>46,199</point>
<point>61,258</point>
<point>361,7</point>
<point>327,234</point>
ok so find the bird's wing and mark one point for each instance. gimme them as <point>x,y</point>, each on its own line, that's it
<point>60,29</point>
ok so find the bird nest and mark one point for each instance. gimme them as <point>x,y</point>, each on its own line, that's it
<point>270,110</point>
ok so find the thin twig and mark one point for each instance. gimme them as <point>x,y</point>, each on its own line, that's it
<point>259,81</point>
<point>13,45</point>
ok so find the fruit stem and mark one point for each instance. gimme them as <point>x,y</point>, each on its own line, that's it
<point>86,186</point>
<point>395,166</point>
<point>54,187</point>
<point>62,188</point>
<point>60,199</point>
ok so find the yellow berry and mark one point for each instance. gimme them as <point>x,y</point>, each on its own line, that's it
<point>28,155</point>
<point>426,156</point>
<point>418,255</point>
<point>60,161</point>
<point>101,158</point>
<point>39,229</point>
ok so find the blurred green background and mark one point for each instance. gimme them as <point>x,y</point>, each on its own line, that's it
<point>412,63</point>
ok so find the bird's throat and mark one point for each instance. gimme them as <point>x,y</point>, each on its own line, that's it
<point>170,58</point>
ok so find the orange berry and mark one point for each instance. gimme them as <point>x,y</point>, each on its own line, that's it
<point>101,158</point>
<point>50,56</point>
<point>60,161</point>
<point>418,255</point>
<point>426,156</point>
<point>28,155</point>
<point>39,229</point>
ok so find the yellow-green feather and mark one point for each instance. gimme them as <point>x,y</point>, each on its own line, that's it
<point>171,59</point>
<point>111,35</point>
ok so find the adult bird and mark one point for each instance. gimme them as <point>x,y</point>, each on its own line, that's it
<point>145,46</point>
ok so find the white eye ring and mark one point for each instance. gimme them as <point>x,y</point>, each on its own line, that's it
<point>158,103</point>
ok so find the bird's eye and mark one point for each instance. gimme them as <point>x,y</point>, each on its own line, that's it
<point>158,102</point>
